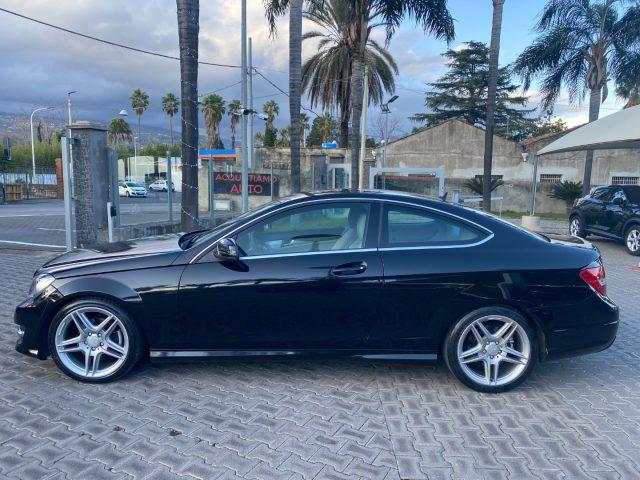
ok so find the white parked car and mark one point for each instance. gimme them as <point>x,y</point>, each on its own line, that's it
<point>161,186</point>
<point>131,189</point>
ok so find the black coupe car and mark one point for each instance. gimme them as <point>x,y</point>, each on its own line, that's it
<point>365,274</point>
<point>611,211</point>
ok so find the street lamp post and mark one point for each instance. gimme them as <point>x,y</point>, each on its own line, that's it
<point>385,109</point>
<point>33,147</point>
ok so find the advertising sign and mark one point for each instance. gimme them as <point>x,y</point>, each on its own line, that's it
<point>259,183</point>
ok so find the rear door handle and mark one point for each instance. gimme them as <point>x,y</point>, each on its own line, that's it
<point>353,268</point>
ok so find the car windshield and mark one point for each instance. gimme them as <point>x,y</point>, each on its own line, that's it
<point>133,184</point>
<point>207,235</point>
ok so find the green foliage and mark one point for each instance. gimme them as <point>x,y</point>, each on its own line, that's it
<point>271,109</point>
<point>235,114</point>
<point>325,128</point>
<point>285,137</point>
<point>568,192</point>
<point>213,107</point>
<point>462,94</point>
<point>170,104</point>
<point>476,186</point>
<point>119,131</point>
<point>544,127</point>
<point>370,142</point>
<point>157,149</point>
<point>139,101</point>
<point>45,154</point>
<point>270,137</point>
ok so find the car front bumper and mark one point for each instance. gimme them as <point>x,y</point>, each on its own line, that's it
<point>31,317</point>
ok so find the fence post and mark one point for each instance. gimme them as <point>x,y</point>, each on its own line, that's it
<point>170,186</point>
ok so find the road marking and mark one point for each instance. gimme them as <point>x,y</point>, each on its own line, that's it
<point>33,215</point>
<point>32,244</point>
<point>52,229</point>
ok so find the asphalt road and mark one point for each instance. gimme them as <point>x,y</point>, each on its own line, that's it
<point>40,223</point>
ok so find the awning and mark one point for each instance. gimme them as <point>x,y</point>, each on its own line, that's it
<point>618,130</point>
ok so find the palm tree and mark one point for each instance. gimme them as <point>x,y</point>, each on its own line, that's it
<point>188,29</point>
<point>568,192</point>
<point>432,15</point>
<point>494,54</point>
<point>213,107</point>
<point>119,130</point>
<point>235,113</point>
<point>275,9</point>
<point>271,109</point>
<point>170,106</point>
<point>326,75</point>
<point>304,126</point>
<point>630,92</point>
<point>581,45</point>
<point>139,103</point>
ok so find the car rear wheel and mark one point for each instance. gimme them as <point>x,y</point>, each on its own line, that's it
<point>576,228</point>
<point>94,341</point>
<point>491,349</point>
<point>632,240</point>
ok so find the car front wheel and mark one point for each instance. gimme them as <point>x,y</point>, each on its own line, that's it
<point>632,240</point>
<point>576,228</point>
<point>491,349</point>
<point>94,341</point>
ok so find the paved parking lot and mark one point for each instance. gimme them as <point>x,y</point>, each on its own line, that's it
<point>269,419</point>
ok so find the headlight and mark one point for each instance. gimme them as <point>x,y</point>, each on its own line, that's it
<point>39,283</point>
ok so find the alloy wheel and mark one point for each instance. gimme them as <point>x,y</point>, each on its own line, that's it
<point>574,228</point>
<point>493,350</point>
<point>633,240</point>
<point>92,342</point>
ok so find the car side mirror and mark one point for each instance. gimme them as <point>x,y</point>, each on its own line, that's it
<point>227,250</point>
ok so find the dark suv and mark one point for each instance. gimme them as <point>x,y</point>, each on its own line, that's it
<point>611,211</point>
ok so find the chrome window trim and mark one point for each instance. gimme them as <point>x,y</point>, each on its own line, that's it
<point>300,254</point>
<point>312,201</point>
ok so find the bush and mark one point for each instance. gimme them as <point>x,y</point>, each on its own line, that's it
<point>476,186</point>
<point>568,192</point>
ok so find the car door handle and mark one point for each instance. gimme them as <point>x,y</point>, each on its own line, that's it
<point>353,268</point>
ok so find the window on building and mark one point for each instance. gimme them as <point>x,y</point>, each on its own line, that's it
<point>550,178</point>
<point>625,180</point>
<point>493,177</point>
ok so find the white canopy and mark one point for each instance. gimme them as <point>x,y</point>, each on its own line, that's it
<point>618,130</point>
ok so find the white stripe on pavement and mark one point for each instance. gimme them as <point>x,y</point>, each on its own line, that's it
<point>32,244</point>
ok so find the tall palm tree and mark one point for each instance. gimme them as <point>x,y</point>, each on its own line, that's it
<point>119,130</point>
<point>432,15</point>
<point>326,75</point>
<point>235,113</point>
<point>139,103</point>
<point>581,45</point>
<point>188,29</point>
<point>630,92</point>
<point>170,106</point>
<point>494,55</point>
<point>213,107</point>
<point>304,126</point>
<point>273,10</point>
<point>271,109</point>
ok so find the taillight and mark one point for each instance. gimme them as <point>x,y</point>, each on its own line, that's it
<point>594,276</point>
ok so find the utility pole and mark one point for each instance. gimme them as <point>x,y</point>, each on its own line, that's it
<point>250,151</point>
<point>385,109</point>
<point>363,129</point>
<point>245,146</point>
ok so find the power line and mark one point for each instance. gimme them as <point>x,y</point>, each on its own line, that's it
<point>108,42</point>
<point>282,92</point>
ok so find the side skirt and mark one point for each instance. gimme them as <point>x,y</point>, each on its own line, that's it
<point>160,355</point>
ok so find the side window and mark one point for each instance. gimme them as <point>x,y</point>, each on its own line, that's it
<point>619,193</point>
<point>603,194</point>
<point>317,228</point>
<point>408,227</point>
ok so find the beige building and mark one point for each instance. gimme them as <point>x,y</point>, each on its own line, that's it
<point>459,148</point>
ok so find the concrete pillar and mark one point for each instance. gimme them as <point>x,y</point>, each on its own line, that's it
<point>90,182</point>
<point>59,179</point>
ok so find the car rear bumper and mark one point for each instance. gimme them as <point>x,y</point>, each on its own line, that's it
<point>595,330</point>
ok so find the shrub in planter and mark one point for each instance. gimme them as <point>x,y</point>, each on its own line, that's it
<point>568,192</point>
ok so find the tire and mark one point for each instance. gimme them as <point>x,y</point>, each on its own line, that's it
<point>486,355</point>
<point>576,227</point>
<point>127,194</point>
<point>98,356</point>
<point>632,239</point>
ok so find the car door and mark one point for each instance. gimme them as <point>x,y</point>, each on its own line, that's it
<point>616,213</point>
<point>595,211</point>
<point>309,277</point>
<point>424,253</point>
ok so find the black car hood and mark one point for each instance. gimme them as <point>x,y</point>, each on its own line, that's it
<point>114,251</point>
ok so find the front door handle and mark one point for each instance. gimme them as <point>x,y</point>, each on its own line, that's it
<point>353,268</point>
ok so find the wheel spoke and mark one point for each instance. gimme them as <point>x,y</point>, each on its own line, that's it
<point>87,362</point>
<point>476,333</point>
<point>471,355</point>
<point>485,332</point>
<point>496,366</point>
<point>487,371</point>
<point>96,363</point>
<point>107,326</point>
<point>81,321</point>
<point>506,331</point>
<point>514,356</point>
<point>71,341</point>
<point>114,350</point>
